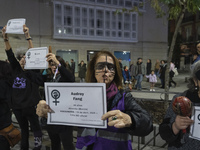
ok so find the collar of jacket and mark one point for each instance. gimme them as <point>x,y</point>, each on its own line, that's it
<point>117,97</point>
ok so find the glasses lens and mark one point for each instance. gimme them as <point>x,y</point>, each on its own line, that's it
<point>102,65</point>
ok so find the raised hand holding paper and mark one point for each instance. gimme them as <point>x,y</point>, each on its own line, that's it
<point>15,26</point>
<point>36,58</point>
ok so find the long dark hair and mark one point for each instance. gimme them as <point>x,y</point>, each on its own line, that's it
<point>61,60</point>
<point>5,71</point>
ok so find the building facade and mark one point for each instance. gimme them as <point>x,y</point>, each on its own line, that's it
<point>76,29</point>
<point>189,35</point>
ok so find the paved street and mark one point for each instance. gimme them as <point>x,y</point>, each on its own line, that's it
<point>145,94</point>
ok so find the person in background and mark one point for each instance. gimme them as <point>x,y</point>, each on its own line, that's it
<point>152,80</point>
<point>132,73</point>
<point>5,100</point>
<point>139,73</point>
<point>163,66</point>
<point>68,66</point>
<point>127,77</point>
<point>171,74</point>
<point>120,63</point>
<point>148,68</point>
<point>157,67</point>
<point>25,93</point>
<point>82,71</point>
<point>196,56</point>
<point>175,129</point>
<point>73,67</point>
<point>125,117</point>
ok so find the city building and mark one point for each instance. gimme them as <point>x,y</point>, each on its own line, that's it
<point>189,34</point>
<point>78,28</point>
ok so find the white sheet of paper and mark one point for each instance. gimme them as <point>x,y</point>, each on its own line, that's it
<point>36,58</point>
<point>15,26</point>
<point>195,128</point>
<point>76,104</point>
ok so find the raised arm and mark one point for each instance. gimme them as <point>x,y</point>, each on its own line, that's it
<point>6,40</point>
<point>27,36</point>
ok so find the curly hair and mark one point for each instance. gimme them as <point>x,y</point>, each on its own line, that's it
<point>90,75</point>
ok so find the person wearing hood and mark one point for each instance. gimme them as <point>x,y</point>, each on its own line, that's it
<point>139,73</point>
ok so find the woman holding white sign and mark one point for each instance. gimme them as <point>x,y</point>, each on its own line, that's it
<point>125,116</point>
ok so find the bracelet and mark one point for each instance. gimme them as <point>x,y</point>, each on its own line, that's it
<point>59,65</point>
<point>29,39</point>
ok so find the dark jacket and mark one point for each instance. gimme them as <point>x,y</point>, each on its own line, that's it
<point>165,129</point>
<point>148,68</point>
<point>81,70</point>
<point>25,92</point>
<point>141,126</point>
<point>162,71</point>
<point>137,67</point>
<point>5,96</point>
<point>141,120</point>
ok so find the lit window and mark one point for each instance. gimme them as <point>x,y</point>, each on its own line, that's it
<point>83,21</point>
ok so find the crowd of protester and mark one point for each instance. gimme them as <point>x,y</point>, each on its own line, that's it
<point>20,93</point>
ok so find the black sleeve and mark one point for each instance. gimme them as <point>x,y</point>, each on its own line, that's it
<point>141,121</point>
<point>165,127</point>
<point>66,75</point>
<point>13,61</point>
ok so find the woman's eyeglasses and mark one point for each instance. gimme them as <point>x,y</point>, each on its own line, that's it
<point>105,65</point>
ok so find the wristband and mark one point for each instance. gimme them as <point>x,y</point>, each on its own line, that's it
<point>59,65</point>
<point>5,40</point>
<point>29,39</point>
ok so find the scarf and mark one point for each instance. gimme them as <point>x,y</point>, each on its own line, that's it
<point>111,91</point>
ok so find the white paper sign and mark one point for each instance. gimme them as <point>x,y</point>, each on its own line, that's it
<point>195,128</point>
<point>76,104</point>
<point>15,26</point>
<point>36,58</point>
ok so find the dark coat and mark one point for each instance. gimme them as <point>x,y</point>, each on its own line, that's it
<point>148,68</point>
<point>165,127</point>
<point>81,70</point>
<point>5,97</point>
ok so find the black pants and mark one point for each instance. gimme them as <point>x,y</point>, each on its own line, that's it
<point>60,134</point>
<point>24,116</point>
<point>4,145</point>
<point>171,81</point>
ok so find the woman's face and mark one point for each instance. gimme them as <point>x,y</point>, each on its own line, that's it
<point>104,70</point>
<point>53,67</point>
<point>198,48</point>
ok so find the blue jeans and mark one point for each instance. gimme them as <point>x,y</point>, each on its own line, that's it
<point>139,79</point>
